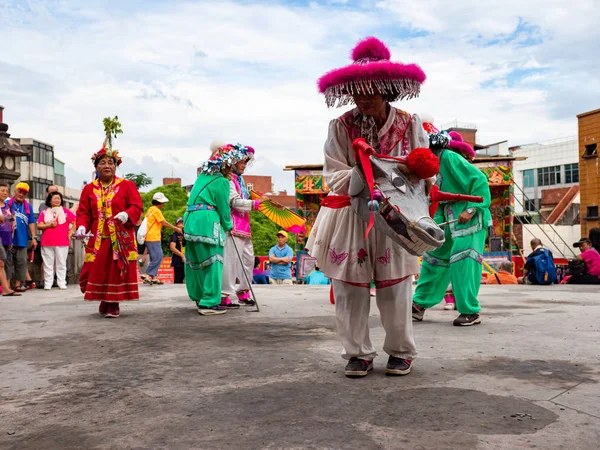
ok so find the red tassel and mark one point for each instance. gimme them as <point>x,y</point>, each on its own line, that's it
<point>364,153</point>
<point>423,163</point>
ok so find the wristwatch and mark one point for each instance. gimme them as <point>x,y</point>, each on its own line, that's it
<point>471,210</point>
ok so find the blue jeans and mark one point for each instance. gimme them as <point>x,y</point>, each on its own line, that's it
<point>156,255</point>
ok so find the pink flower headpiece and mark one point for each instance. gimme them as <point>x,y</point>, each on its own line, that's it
<point>114,154</point>
<point>371,72</point>
<point>457,144</point>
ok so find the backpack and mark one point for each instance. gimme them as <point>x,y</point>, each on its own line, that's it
<point>545,270</point>
<point>142,231</point>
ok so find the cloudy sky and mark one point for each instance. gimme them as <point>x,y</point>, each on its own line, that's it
<point>181,73</point>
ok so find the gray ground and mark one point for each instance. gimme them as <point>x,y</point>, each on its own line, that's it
<point>161,376</point>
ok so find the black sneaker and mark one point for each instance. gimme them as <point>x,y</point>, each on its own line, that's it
<point>357,367</point>
<point>249,302</point>
<point>417,313</point>
<point>466,320</point>
<point>398,366</point>
<point>212,310</point>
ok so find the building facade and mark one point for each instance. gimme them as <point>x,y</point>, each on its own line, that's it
<point>544,172</point>
<point>37,169</point>
<point>588,148</point>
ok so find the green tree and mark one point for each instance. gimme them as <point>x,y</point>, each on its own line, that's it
<point>140,179</point>
<point>264,234</point>
<point>173,209</point>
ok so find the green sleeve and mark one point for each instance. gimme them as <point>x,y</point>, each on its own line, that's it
<point>470,180</point>
<point>220,191</point>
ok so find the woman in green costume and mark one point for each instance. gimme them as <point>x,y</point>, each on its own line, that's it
<point>459,259</point>
<point>207,219</point>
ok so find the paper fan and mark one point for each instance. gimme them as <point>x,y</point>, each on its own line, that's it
<point>280,215</point>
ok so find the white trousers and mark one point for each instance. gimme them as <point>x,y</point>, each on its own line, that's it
<point>232,268</point>
<point>52,256</point>
<point>352,306</point>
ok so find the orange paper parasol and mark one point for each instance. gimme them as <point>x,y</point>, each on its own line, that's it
<point>280,215</point>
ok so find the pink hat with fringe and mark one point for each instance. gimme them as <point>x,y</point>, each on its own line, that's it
<point>371,72</point>
<point>457,144</point>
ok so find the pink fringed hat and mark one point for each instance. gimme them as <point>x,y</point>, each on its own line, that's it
<point>457,144</point>
<point>371,72</point>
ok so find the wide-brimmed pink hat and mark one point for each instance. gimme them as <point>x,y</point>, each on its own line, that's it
<point>457,144</point>
<point>371,72</point>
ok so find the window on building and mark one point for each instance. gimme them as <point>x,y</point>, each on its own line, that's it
<point>571,173</point>
<point>250,187</point>
<point>591,150</point>
<point>528,178</point>
<point>548,176</point>
<point>530,205</point>
<point>59,180</point>
<point>592,212</point>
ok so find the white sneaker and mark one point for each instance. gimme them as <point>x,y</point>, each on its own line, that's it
<point>47,289</point>
<point>450,306</point>
<point>62,288</point>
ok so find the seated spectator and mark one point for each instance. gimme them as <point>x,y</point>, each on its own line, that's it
<point>259,276</point>
<point>592,263</point>
<point>539,267</point>
<point>504,275</point>
<point>317,277</point>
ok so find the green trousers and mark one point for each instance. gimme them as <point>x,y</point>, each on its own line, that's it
<point>457,261</point>
<point>204,273</point>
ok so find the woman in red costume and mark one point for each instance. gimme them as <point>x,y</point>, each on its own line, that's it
<point>109,208</point>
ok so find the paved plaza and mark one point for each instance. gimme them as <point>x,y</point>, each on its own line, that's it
<point>161,376</point>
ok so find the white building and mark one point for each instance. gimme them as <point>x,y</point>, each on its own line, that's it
<point>41,169</point>
<point>37,169</point>
<point>550,164</point>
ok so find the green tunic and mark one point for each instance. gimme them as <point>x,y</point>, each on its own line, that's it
<point>459,259</point>
<point>207,219</point>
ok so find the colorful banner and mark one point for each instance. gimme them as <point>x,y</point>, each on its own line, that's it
<point>498,173</point>
<point>165,272</point>
<point>311,182</point>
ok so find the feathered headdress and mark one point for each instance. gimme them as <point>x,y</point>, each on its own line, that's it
<point>371,72</point>
<point>226,155</point>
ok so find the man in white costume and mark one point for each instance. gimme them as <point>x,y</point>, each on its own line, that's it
<point>337,239</point>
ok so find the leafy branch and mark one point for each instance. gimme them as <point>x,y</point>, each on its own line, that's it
<point>112,128</point>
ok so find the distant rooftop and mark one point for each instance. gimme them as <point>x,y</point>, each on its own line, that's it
<point>460,125</point>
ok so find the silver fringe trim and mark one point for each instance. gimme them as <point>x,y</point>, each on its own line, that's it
<point>341,94</point>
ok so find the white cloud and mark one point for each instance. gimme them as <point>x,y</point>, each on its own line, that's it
<point>180,74</point>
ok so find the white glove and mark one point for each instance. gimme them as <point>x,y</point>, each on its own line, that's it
<point>122,216</point>
<point>80,232</point>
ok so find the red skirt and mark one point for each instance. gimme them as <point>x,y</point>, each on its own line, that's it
<point>101,280</point>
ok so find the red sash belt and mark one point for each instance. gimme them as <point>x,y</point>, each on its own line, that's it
<point>336,201</point>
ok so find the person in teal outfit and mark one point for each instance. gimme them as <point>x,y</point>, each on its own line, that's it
<point>459,260</point>
<point>207,219</point>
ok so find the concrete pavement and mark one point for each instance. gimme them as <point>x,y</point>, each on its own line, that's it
<point>161,376</point>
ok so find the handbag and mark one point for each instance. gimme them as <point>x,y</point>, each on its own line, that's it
<point>577,267</point>
<point>142,231</point>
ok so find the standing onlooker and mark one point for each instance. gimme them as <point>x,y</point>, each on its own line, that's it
<point>281,256</point>
<point>156,221</point>
<point>57,224</point>
<point>176,245</point>
<point>7,224</point>
<point>23,234</point>
<point>49,189</point>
